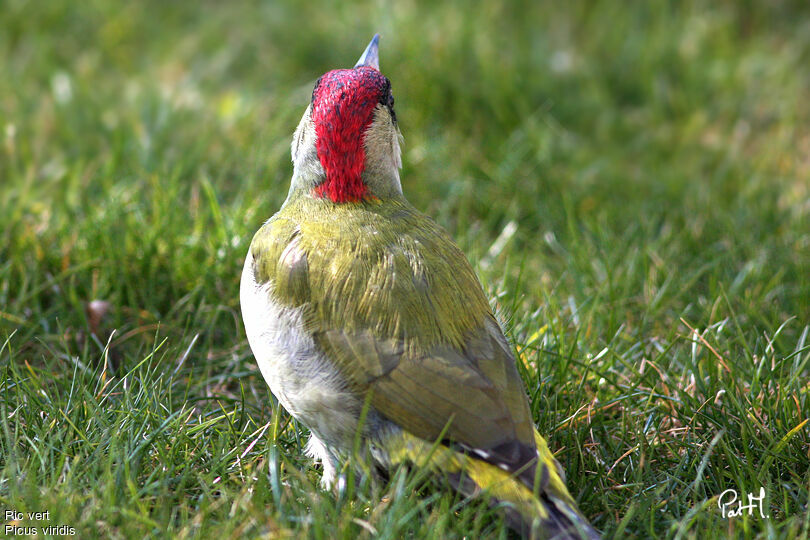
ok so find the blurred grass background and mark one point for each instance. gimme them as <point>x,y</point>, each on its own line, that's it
<point>631,180</point>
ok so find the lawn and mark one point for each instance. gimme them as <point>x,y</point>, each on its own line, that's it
<point>630,181</point>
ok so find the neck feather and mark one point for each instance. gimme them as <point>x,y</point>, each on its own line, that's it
<point>368,167</point>
<point>341,153</point>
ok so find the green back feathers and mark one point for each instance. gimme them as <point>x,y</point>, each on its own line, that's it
<point>371,266</point>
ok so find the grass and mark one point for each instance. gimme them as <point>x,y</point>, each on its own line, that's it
<point>632,183</point>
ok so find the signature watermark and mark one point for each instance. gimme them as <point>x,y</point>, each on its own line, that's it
<point>731,505</point>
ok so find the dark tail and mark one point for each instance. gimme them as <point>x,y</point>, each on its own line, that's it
<point>550,515</point>
<point>562,522</point>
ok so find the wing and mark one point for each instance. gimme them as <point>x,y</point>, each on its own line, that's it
<point>394,303</point>
<point>473,395</point>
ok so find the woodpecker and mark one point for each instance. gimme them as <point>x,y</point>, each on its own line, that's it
<point>368,323</point>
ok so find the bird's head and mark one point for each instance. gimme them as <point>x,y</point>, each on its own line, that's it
<point>346,148</point>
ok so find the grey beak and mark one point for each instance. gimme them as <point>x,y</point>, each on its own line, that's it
<point>371,56</point>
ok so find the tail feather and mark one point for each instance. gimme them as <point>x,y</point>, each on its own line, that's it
<point>549,514</point>
<point>557,525</point>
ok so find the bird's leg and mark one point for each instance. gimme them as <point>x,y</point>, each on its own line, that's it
<point>319,452</point>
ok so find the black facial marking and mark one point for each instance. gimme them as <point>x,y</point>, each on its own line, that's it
<point>314,90</point>
<point>387,99</point>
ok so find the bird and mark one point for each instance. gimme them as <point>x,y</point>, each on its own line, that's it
<point>368,322</point>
